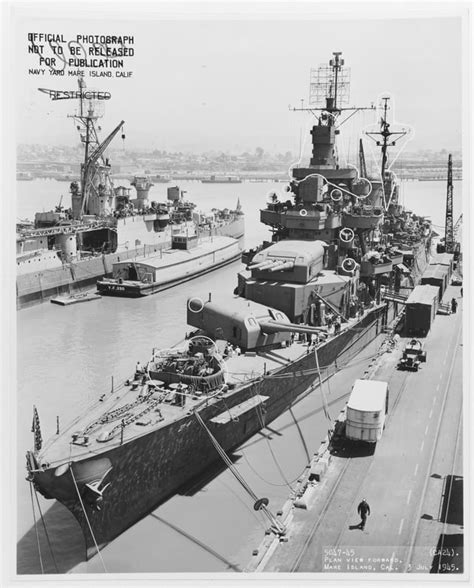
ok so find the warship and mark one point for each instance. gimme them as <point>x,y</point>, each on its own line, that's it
<point>69,249</point>
<point>306,304</point>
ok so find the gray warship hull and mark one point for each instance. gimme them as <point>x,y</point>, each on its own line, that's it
<point>146,471</point>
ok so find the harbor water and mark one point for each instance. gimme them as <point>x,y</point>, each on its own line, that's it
<point>66,357</point>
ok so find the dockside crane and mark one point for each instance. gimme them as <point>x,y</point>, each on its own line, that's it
<point>449,229</point>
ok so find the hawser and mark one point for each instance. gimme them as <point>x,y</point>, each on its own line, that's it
<point>67,250</point>
<point>304,306</point>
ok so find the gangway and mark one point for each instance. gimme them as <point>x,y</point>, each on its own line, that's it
<point>394,296</point>
<point>444,308</point>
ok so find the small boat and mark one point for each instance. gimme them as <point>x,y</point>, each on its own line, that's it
<point>75,298</point>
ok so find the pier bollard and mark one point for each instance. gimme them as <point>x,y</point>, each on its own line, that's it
<point>317,471</point>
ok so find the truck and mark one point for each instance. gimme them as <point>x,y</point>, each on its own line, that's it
<point>420,310</point>
<point>413,355</point>
<point>366,411</point>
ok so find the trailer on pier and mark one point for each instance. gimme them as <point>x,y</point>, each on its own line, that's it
<point>437,275</point>
<point>421,307</point>
<point>366,410</point>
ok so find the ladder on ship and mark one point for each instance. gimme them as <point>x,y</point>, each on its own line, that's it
<point>331,306</point>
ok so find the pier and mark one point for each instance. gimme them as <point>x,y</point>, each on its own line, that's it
<point>413,480</point>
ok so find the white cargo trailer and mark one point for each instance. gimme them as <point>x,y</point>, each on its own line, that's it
<point>366,410</point>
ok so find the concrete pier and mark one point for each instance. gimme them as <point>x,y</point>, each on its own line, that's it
<point>412,479</point>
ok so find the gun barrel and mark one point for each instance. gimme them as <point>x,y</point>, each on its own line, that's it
<point>262,264</point>
<point>281,266</point>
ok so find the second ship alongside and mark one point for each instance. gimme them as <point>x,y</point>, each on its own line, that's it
<point>338,241</point>
<point>67,250</point>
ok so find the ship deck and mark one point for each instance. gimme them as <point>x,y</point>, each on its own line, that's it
<point>240,369</point>
<point>171,257</point>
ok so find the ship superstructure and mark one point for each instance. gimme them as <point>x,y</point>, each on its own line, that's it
<point>328,209</point>
<point>367,234</point>
<point>70,249</point>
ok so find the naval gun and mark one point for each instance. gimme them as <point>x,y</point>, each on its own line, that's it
<point>289,261</point>
<point>247,324</point>
<point>295,277</point>
<point>273,265</point>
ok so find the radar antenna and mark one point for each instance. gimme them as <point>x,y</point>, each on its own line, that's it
<point>328,83</point>
<point>329,89</point>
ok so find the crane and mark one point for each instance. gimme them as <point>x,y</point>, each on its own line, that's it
<point>449,229</point>
<point>457,226</point>
<point>88,166</point>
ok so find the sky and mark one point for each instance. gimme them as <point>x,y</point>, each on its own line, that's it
<point>223,81</point>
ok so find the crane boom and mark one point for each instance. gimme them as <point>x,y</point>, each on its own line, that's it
<point>98,152</point>
<point>457,225</point>
<point>92,159</point>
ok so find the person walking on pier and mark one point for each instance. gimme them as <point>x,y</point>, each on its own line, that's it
<point>454,305</point>
<point>363,510</point>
